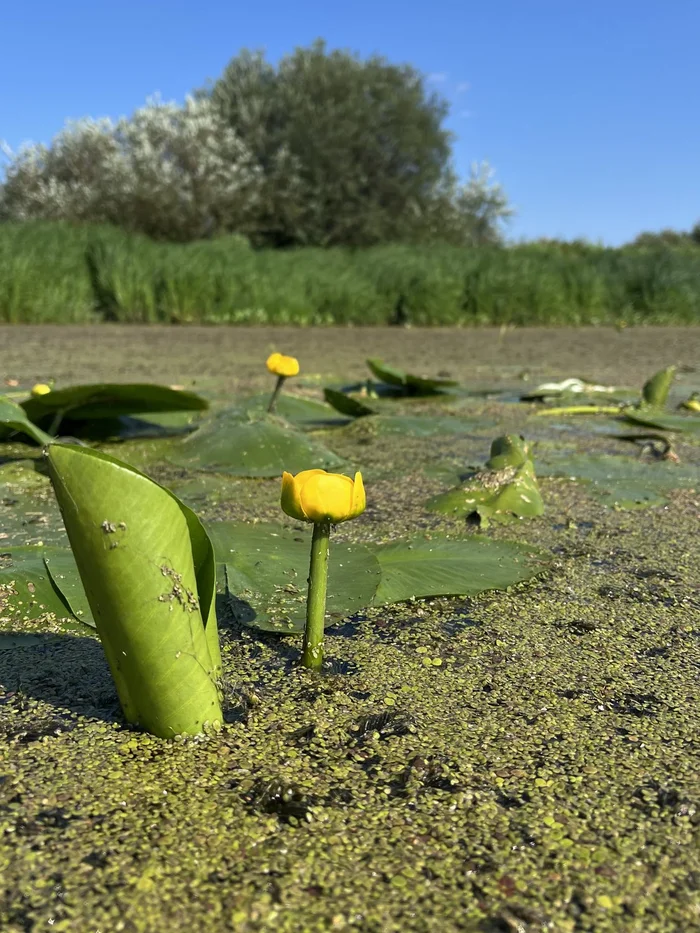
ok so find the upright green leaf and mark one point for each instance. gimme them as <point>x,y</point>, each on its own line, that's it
<point>655,390</point>
<point>148,570</point>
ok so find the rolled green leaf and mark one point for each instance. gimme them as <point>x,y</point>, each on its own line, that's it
<point>148,570</point>
<point>655,390</point>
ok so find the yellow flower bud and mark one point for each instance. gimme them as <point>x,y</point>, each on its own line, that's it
<point>280,365</point>
<point>41,389</point>
<point>318,496</point>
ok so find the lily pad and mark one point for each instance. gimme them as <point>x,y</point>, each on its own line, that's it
<point>624,482</point>
<point>26,588</point>
<point>299,411</point>
<point>110,400</point>
<point>264,569</point>
<point>663,421</point>
<point>411,384</point>
<point>445,567</point>
<point>249,444</point>
<point>13,419</point>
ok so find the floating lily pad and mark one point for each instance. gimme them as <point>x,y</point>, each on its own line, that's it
<point>299,411</point>
<point>411,384</point>
<point>110,400</point>
<point>252,445</point>
<point>346,404</point>
<point>29,513</point>
<point>26,589</point>
<point>13,419</point>
<point>663,421</point>
<point>624,482</point>
<point>444,567</point>
<point>266,569</point>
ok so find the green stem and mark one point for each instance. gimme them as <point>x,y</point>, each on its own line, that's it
<point>275,393</point>
<point>57,419</point>
<point>312,656</point>
<point>582,410</point>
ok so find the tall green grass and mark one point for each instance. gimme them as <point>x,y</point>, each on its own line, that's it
<point>55,272</point>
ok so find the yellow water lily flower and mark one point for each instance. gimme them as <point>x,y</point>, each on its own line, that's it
<point>692,403</point>
<point>280,365</point>
<point>318,496</point>
<point>41,389</point>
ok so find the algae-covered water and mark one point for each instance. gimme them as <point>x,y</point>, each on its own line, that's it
<point>518,761</point>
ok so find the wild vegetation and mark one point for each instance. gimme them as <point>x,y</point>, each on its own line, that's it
<point>59,272</point>
<point>318,191</point>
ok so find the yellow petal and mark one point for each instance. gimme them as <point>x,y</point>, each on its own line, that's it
<point>41,389</point>
<point>290,500</point>
<point>359,500</point>
<point>280,365</point>
<point>327,497</point>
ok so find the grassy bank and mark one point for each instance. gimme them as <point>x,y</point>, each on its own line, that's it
<point>53,272</point>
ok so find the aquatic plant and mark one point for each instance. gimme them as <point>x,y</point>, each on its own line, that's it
<point>147,566</point>
<point>283,367</point>
<point>323,499</point>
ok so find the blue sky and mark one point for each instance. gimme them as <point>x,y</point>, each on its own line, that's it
<point>587,109</point>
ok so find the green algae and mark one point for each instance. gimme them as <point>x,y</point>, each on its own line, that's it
<point>524,760</point>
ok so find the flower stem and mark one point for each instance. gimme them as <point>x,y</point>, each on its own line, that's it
<point>275,393</point>
<point>312,656</point>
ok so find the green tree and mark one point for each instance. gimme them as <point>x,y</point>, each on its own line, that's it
<point>352,151</point>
